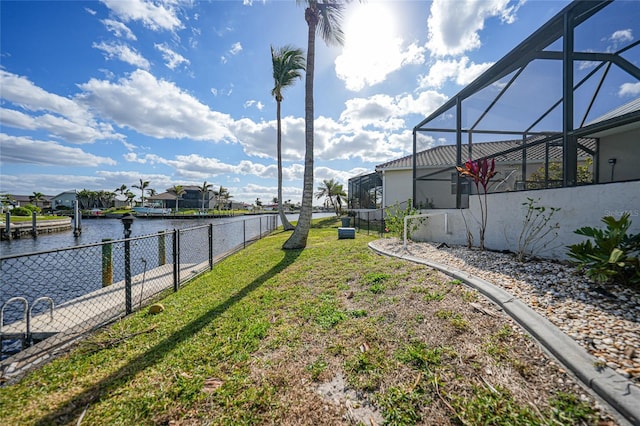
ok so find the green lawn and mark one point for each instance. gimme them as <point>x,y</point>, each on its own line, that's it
<point>250,342</point>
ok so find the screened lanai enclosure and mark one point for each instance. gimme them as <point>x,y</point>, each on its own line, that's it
<point>562,109</point>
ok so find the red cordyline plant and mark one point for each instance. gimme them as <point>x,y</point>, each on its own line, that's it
<point>481,171</point>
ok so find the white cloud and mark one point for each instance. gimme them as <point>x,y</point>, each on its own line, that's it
<point>61,117</point>
<point>118,29</point>
<point>455,29</point>
<point>153,15</point>
<point>622,36</point>
<point>461,71</point>
<point>629,89</point>
<point>156,108</point>
<point>22,92</point>
<point>21,150</point>
<point>380,111</point>
<point>172,59</point>
<point>235,48</point>
<point>123,53</point>
<point>250,103</point>
<point>372,47</point>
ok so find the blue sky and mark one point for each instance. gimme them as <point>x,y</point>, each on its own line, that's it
<point>96,94</point>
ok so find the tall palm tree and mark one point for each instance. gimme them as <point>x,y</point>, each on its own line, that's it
<point>324,16</point>
<point>122,190</point>
<point>223,195</point>
<point>204,189</point>
<point>144,184</point>
<point>333,193</point>
<point>37,196</point>
<point>177,190</point>
<point>130,196</point>
<point>288,64</point>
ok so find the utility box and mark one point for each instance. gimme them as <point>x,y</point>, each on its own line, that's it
<point>346,233</point>
<point>346,221</point>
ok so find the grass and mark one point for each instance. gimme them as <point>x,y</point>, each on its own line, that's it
<point>250,342</point>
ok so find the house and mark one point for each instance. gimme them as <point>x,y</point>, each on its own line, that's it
<point>438,175</point>
<point>64,200</point>
<point>559,90</point>
<point>191,199</point>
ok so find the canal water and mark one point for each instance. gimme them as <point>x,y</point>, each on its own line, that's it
<point>95,230</point>
<point>64,274</point>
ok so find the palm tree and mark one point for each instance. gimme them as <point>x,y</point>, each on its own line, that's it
<point>204,189</point>
<point>37,196</point>
<point>176,190</point>
<point>324,16</point>
<point>144,184</point>
<point>223,195</point>
<point>288,64</point>
<point>333,193</point>
<point>122,190</point>
<point>130,196</point>
<point>105,198</point>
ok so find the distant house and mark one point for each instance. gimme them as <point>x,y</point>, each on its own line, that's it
<point>64,200</point>
<point>191,199</point>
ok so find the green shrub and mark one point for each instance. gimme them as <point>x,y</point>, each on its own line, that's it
<point>20,211</point>
<point>613,255</point>
<point>394,219</point>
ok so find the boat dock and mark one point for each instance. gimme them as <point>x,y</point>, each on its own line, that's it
<point>21,229</point>
<point>96,308</point>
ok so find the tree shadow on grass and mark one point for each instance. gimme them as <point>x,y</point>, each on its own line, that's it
<point>73,407</point>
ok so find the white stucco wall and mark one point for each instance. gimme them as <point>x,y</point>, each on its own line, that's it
<point>625,148</point>
<point>397,185</point>
<point>580,206</point>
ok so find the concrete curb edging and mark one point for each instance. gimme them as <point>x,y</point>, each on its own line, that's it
<point>613,388</point>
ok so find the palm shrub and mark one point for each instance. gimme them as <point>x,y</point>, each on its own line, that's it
<point>613,256</point>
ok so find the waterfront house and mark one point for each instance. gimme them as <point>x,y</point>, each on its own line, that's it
<point>64,200</point>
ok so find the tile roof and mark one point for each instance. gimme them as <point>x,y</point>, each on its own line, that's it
<point>445,155</point>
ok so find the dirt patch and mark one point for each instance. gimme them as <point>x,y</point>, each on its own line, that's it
<point>412,347</point>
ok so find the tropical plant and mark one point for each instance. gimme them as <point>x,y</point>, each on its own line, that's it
<point>288,64</point>
<point>86,199</point>
<point>142,186</point>
<point>204,189</point>
<point>614,254</point>
<point>151,192</point>
<point>122,190</point>
<point>553,174</point>
<point>222,194</point>
<point>481,171</point>
<point>536,229</point>
<point>36,197</point>
<point>105,198</point>
<point>324,16</point>
<point>176,190</point>
<point>394,219</point>
<point>334,194</point>
<point>130,197</point>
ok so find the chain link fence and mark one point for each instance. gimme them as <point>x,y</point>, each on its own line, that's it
<point>77,289</point>
<point>370,221</point>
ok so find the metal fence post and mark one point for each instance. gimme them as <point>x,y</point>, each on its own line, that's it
<point>107,263</point>
<point>260,230</point>
<point>244,234</point>
<point>127,276</point>
<point>211,246</point>
<point>162,248</point>
<point>176,259</point>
